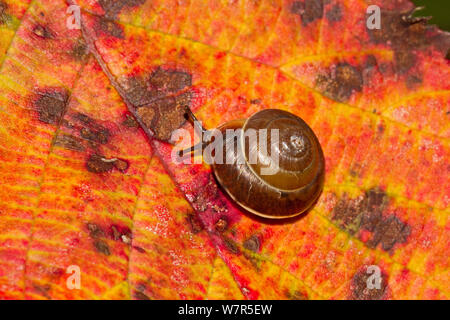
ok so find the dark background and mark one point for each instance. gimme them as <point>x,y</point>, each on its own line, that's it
<point>438,9</point>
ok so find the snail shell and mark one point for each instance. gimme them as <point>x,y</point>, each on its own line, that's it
<point>299,176</point>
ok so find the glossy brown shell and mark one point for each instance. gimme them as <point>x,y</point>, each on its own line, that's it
<point>299,180</point>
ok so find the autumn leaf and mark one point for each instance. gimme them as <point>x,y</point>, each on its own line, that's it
<point>87,178</point>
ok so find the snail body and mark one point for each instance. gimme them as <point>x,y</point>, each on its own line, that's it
<point>297,176</point>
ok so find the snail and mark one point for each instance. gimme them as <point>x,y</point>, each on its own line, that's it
<point>298,176</point>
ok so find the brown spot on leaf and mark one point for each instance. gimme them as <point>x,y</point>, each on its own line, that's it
<point>365,213</point>
<point>139,249</point>
<point>42,31</point>
<point>55,273</point>
<point>341,82</point>
<point>334,14</point>
<point>159,101</point>
<point>380,129</point>
<point>169,81</point>
<point>51,105</point>
<point>113,7</point>
<point>147,115</point>
<point>69,142</point>
<point>170,116</point>
<point>121,165</point>
<point>308,10</point>
<point>231,245</point>
<point>102,247</point>
<point>100,136</point>
<point>95,231</point>
<point>91,130</point>
<point>43,290</point>
<point>137,90</point>
<point>296,295</point>
<point>221,225</point>
<point>347,213</point>
<point>389,232</point>
<point>98,164</point>
<point>109,27</point>
<point>4,16</point>
<point>120,233</point>
<point>413,81</point>
<point>404,61</point>
<point>115,233</point>
<point>398,32</point>
<point>371,61</point>
<point>79,50</point>
<point>83,118</point>
<point>139,295</point>
<point>375,201</point>
<point>195,223</point>
<point>253,259</point>
<point>252,243</point>
<point>360,289</point>
<point>159,84</point>
<point>255,101</point>
<point>405,34</point>
<point>130,122</point>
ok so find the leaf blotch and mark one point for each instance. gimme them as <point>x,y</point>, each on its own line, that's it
<point>69,142</point>
<point>95,231</point>
<point>98,164</point>
<point>102,247</point>
<point>404,61</point>
<point>130,122</point>
<point>79,50</point>
<point>195,224</point>
<point>413,81</point>
<point>4,16</point>
<point>231,245</point>
<point>399,33</point>
<point>138,295</point>
<point>113,7</point>
<point>159,100</point>
<point>43,32</point>
<point>405,35</point>
<point>252,243</point>
<point>366,213</point>
<point>360,289</point>
<point>142,90</point>
<point>164,115</point>
<point>334,14</point>
<point>109,28</point>
<point>100,135</point>
<point>389,232</point>
<point>139,249</point>
<point>42,289</point>
<point>169,81</point>
<point>91,130</point>
<point>121,165</point>
<point>221,225</point>
<point>341,82</point>
<point>51,105</point>
<point>308,10</point>
<point>296,295</point>
<point>121,233</point>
